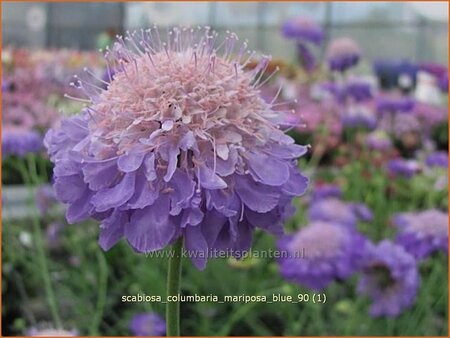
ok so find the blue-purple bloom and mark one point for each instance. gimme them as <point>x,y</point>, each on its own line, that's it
<point>391,73</point>
<point>437,159</point>
<point>326,191</point>
<point>389,277</point>
<point>342,54</point>
<point>359,91</point>
<point>403,167</point>
<point>181,144</point>
<point>359,116</point>
<point>378,140</point>
<point>320,253</point>
<point>303,29</point>
<point>422,233</point>
<point>340,212</point>
<point>386,104</point>
<point>19,142</point>
<point>148,324</point>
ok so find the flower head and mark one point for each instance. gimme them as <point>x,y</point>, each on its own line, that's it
<point>326,191</point>
<point>393,104</point>
<point>359,116</point>
<point>342,54</point>
<point>378,140</point>
<point>303,29</point>
<point>340,212</point>
<point>422,233</point>
<point>179,144</point>
<point>148,324</point>
<point>359,91</point>
<point>389,277</point>
<point>437,159</point>
<point>19,142</point>
<point>320,253</point>
<point>403,167</point>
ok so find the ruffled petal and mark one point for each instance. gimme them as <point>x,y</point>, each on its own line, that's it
<point>115,196</point>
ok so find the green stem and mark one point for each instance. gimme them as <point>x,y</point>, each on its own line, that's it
<point>31,179</point>
<point>173,289</point>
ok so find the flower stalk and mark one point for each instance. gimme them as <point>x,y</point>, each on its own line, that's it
<point>173,289</point>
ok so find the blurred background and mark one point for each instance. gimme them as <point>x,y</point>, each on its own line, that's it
<point>364,83</point>
<point>416,30</point>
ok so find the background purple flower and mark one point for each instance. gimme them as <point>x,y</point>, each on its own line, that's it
<point>403,167</point>
<point>422,233</point>
<point>303,29</point>
<point>148,324</point>
<point>325,191</point>
<point>389,277</point>
<point>359,116</point>
<point>20,142</point>
<point>342,54</point>
<point>337,211</point>
<point>320,253</point>
<point>378,140</point>
<point>437,159</point>
<point>389,104</point>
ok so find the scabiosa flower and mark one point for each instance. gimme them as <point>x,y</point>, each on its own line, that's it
<point>359,116</point>
<point>180,144</point>
<point>403,167</point>
<point>326,191</point>
<point>389,277</point>
<point>340,212</point>
<point>378,140</point>
<point>359,91</point>
<point>303,29</point>
<point>320,253</point>
<point>19,142</point>
<point>394,104</point>
<point>422,233</point>
<point>148,324</point>
<point>342,54</point>
<point>437,159</point>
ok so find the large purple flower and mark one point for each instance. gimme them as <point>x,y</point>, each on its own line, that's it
<point>320,253</point>
<point>148,324</point>
<point>340,212</point>
<point>179,144</point>
<point>422,233</point>
<point>389,277</point>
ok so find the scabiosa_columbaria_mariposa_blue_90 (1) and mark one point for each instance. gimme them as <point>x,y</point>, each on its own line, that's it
<point>179,144</point>
<point>422,233</point>
<point>389,277</point>
<point>320,253</point>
